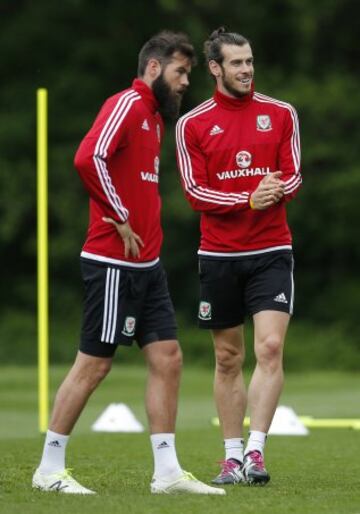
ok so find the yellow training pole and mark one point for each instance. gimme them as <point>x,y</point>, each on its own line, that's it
<point>42,260</point>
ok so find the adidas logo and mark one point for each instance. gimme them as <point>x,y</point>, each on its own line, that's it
<point>216,130</point>
<point>145,125</point>
<point>281,298</point>
<point>55,443</point>
<point>163,445</point>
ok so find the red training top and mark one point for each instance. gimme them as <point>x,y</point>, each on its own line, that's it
<point>225,146</point>
<point>118,161</point>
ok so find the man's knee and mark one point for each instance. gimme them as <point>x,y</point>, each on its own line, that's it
<point>229,359</point>
<point>102,369</point>
<point>172,359</point>
<point>167,360</point>
<point>269,349</point>
<point>91,370</point>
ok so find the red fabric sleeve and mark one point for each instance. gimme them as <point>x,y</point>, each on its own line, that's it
<point>192,167</point>
<point>289,154</point>
<point>108,134</point>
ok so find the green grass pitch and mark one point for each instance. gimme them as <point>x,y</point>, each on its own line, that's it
<point>309,475</point>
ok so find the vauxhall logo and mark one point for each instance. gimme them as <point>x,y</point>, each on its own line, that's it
<point>243,161</point>
<point>147,176</point>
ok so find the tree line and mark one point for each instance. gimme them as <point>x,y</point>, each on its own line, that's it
<point>83,51</point>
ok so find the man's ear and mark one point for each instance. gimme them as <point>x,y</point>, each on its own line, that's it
<point>153,68</point>
<point>215,68</point>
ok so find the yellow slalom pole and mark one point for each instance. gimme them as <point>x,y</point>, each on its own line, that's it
<point>42,260</point>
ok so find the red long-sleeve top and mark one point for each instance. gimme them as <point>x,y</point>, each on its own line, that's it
<point>118,163</point>
<point>225,146</point>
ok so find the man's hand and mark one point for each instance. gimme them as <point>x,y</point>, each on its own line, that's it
<point>269,191</point>
<point>132,241</point>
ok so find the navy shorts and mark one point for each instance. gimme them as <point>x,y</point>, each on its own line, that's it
<point>124,304</point>
<point>232,288</point>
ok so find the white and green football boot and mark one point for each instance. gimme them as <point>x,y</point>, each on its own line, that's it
<point>61,482</point>
<point>186,484</point>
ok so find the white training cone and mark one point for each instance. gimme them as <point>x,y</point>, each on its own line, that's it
<point>117,417</point>
<point>286,422</point>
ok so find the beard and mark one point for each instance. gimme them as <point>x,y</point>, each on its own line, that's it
<point>232,90</point>
<point>169,102</point>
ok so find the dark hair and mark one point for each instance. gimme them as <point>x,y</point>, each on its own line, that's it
<point>212,47</point>
<point>162,47</point>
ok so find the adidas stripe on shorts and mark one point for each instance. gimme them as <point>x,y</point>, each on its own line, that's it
<point>124,304</point>
<point>232,288</point>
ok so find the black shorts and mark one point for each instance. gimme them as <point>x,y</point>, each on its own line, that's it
<point>122,305</point>
<point>232,288</point>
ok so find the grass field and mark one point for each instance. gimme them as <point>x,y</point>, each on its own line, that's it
<point>315,474</point>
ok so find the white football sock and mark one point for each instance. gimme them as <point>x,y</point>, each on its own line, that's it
<point>166,464</point>
<point>256,442</point>
<point>234,449</point>
<point>53,457</point>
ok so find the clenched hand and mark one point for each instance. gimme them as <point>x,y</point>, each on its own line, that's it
<point>269,191</point>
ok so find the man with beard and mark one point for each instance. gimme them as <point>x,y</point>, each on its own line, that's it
<point>126,294</point>
<point>239,158</point>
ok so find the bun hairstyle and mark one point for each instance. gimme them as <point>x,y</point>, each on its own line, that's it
<point>216,33</point>
<point>219,37</point>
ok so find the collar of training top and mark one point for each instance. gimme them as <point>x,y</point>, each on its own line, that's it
<point>146,94</point>
<point>228,102</point>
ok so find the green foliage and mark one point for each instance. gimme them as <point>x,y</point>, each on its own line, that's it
<point>306,53</point>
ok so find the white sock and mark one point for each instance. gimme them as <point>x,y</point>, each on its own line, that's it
<point>166,464</point>
<point>234,449</point>
<point>256,442</point>
<point>53,457</point>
